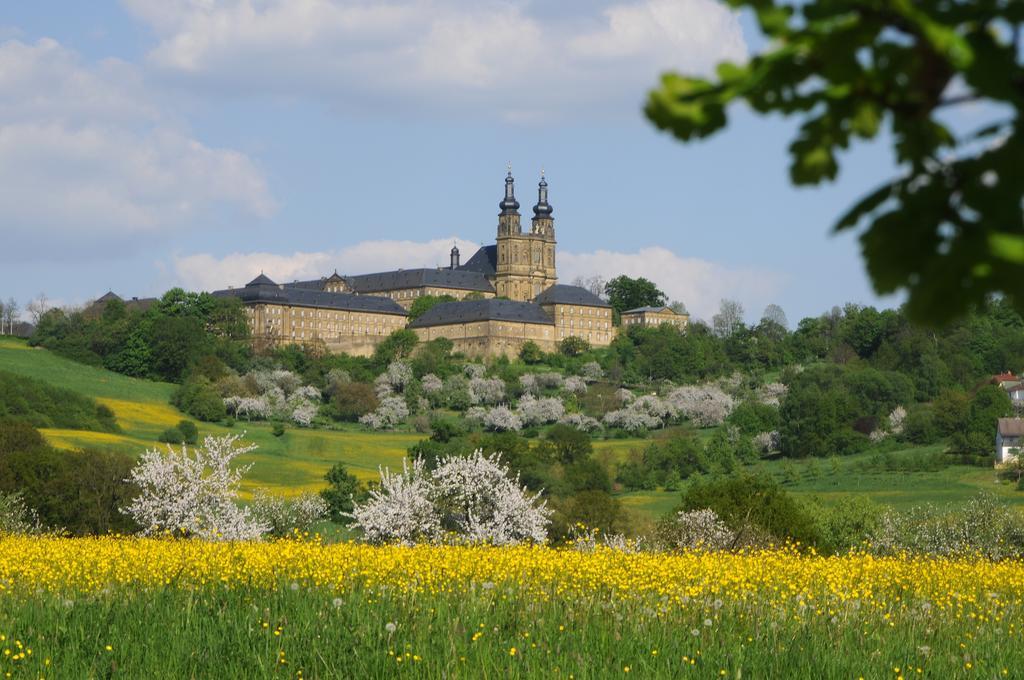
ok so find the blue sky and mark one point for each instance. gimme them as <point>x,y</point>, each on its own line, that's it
<point>151,143</point>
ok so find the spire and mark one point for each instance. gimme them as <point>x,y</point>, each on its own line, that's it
<point>509,205</point>
<point>455,257</point>
<point>543,208</point>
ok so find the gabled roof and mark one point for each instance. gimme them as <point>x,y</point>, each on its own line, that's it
<point>418,278</point>
<point>108,296</point>
<point>663,309</point>
<point>1011,427</point>
<point>561,294</point>
<point>261,280</point>
<point>484,261</point>
<point>482,310</point>
<point>301,297</point>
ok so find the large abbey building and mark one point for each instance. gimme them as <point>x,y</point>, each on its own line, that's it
<point>507,294</point>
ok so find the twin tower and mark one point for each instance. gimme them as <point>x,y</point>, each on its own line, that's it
<point>525,262</point>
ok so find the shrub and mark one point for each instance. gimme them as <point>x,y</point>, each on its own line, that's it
<point>277,429</point>
<point>189,431</point>
<point>340,494</point>
<point>199,398</point>
<point>757,500</point>
<point>531,353</point>
<point>391,412</point>
<point>171,435</point>
<point>194,493</point>
<point>695,530</point>
<point>16,517</point>
<point>43,405</point>
<point>353,401</point>
<point>473,498</point>
<point>573,346</point>
<point>285,516</point>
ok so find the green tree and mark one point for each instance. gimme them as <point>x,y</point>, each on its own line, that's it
<point>573,346</point>
<point>948,230</point>
<point>423,304</point>
<point>353,401</point>
<point>531,353</point>
<point>568,445</point>
<point>399,345</point>
<point>625,293</point>
<point>342,489</point>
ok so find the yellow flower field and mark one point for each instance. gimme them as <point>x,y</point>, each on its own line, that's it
<point>439,609</point>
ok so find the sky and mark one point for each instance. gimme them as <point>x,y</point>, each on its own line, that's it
<point>146,144</point>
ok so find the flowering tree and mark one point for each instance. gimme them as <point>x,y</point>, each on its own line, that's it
<point>475,370</point>
<point>194,493</point>
<point>705,406</point>
<point>575,384</point>
<point>431,384</point>
<point>533,411</point>
<point>581,422</point>
<point>529,384</point>
<point>486,390</point>
<point>283,515</point>
<point>767,442</point>
<point>391,412</point>
<point>472,498</point>
<point>502,419</point>
<point>591,371</point>
<point>699,529</point>
<point>274,395</point>
<point>771,393</point>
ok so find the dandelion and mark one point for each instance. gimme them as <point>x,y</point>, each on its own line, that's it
<point>337,602</point>
<point>390,627</point>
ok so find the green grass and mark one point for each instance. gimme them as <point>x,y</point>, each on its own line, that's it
<point>292,463</point>
<point>298,460</point>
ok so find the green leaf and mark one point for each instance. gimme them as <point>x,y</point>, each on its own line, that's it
<point>866,119</point>
<point>866,205</point>
<point>1008,247</point>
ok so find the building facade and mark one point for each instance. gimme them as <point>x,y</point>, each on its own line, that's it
<point>654,316</point>
<point>506,294</point>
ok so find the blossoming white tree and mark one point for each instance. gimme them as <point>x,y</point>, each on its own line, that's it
<point>472,498</point>
<point>704,405</point>
<point>391,411</point>
<point>533,411</point>
<point>194,493</point>
<point>486,390</point>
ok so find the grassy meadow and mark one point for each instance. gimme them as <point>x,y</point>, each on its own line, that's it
<point>85,608</point>
<point>297,461</point>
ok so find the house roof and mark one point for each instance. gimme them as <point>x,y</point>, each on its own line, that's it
<point>484,261</point>
<point>108,296</point>
<point>664,309</point>
<point>418,278</point>
<point>261,280</point>
<point>1011,427</point>
<point>1004,377</point>
<point>561,294</point>
<point>301,297</point>
<point>482,310</point>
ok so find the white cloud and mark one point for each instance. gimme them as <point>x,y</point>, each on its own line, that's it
<point>206,272</point>
<point>500,56</point>
<point>698,283</point>
<point>87,152</point>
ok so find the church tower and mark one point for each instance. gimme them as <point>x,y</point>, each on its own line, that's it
<point>525,262</point>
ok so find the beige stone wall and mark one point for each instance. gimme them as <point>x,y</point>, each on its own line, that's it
<point>406,296</point>
<point>492,338</point>
<point>680,321</point>
<point>593,324</point>
<point>526,265</point>
<point>281,324</point>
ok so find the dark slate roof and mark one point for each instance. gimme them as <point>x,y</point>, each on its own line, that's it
<point>261,280</point>
<point>484,261</point>
<point>1011,427</point>
<point>417,278</point>
<point>317,284</point>
<point>300,297</point>
<point>482,310</point>
<point>569,295</point>
<point>108,296</point>
<point>663,308</point>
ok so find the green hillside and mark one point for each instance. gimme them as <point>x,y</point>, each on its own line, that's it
<point>298,460</point>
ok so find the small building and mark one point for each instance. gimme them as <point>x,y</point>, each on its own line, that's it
<point>1009,439</point>
<point>487,327</point>
<point>654,316</point>
<point>578,312</point>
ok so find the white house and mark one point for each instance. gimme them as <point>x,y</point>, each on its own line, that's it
<point>1009,439</point>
